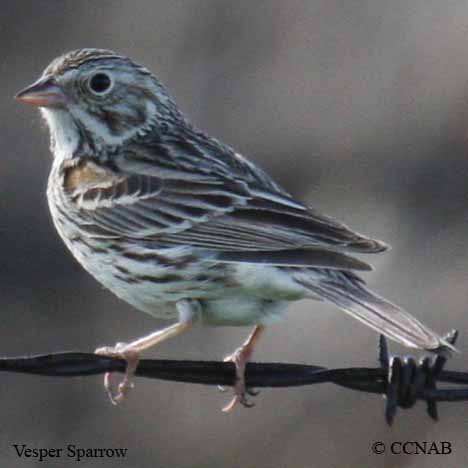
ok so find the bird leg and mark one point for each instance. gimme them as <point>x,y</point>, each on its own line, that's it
<point>130,352</point>
<point>240,357</point>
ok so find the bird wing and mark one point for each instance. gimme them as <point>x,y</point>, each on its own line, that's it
<point>214,199</point>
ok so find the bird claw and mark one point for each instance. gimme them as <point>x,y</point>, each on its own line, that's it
<point>117,393</point>
<point>239,358</point>
<point>249,391</point>
<point>236,400</point>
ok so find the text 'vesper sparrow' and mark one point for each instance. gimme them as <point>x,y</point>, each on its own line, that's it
<point>180,225</point>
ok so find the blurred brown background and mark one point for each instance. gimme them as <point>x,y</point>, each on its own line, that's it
<point>360,108</point>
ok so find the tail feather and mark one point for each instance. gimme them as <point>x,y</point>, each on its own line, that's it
<point>348,292</point>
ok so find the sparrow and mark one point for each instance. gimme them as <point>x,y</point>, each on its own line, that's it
<point>183,227</point>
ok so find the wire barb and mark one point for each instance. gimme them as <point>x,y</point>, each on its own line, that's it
<point>402,381</point>
<point>407,380</point>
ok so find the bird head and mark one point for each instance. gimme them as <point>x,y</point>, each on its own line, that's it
<point>100,97</point>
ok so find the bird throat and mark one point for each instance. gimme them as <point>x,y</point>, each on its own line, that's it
<point>64,133</point>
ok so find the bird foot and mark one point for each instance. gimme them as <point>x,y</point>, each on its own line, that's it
<point>239,358</point>
<point>117,392</point>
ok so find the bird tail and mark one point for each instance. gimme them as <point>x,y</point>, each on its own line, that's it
<point>349,293</point>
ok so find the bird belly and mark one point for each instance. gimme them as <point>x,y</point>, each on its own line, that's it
<point>238,309</point>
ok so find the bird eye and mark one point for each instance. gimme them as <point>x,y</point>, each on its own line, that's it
<point>100,83</point>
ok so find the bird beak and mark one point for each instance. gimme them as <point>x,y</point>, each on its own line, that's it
<point>45,92</point>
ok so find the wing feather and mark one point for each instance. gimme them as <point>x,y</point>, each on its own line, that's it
<point>225,205</point>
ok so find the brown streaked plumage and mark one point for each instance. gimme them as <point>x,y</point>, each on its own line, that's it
<point>85,176</point>
<point>180,225</point>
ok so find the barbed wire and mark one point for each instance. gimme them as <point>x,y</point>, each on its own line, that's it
<point>401,380</point>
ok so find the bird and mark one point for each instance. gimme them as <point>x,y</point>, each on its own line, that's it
<point>183,227</point>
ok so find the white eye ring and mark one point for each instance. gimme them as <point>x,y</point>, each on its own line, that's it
<point>100,83</point>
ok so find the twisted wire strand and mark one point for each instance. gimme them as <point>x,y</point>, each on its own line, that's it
<point>401,380</point>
